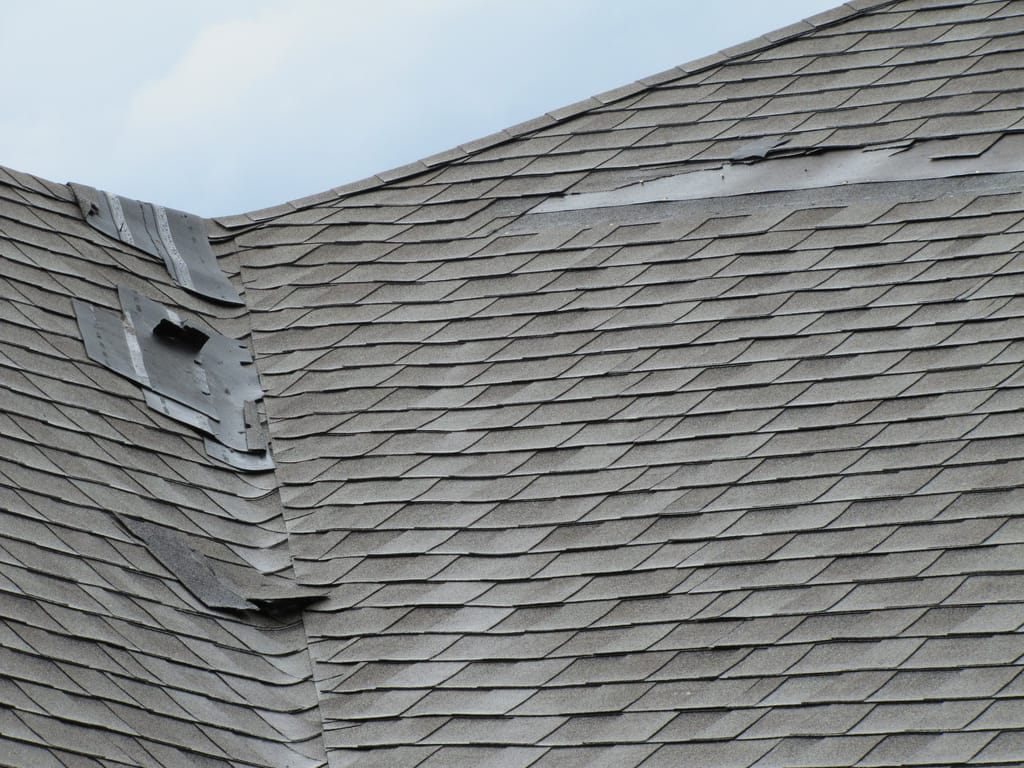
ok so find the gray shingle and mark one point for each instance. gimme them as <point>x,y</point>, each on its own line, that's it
<point>735,479</point>
<point>965,651</point>
<point>630,727</point>
<point>803,752</point>
<point>814,720</point>
<point>727,754</point>
<point>1002,747</point>
<point>944,684</point>
<point>925,749</point>
<point>842,656</point>
<point>597,757</point>
<point>828,687</point>
<point>704,694</point>
<point>482,730</point>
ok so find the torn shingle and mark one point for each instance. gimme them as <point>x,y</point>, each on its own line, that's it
<point>179,239</point>
<point>196,376</point>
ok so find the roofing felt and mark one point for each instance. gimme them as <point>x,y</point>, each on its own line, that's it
<point>717,479</point>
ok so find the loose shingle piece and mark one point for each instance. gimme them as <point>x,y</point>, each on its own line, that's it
<point>681,426</point>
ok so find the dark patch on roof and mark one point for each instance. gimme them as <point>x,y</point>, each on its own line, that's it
<point>196,376</point>
<point>195,571</point>
<point>177,238</point>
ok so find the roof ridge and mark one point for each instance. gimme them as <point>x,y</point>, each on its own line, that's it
<point>30,182</point>
<point>825,19</point>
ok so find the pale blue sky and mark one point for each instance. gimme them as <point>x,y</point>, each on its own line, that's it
<point>230,105</point>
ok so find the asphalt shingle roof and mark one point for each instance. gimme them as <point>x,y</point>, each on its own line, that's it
<point>590,475</point>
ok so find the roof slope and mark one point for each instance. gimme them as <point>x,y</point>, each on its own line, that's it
<point>106,658</point>
<point>722,482</point>
<point>608,451</point>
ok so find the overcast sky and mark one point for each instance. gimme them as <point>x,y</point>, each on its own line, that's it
<point>224,106</point>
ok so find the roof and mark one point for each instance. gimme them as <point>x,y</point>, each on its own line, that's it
<point>679,427</point>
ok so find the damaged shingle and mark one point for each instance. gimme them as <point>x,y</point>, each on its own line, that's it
<point>816,170</point>
<point>757,150</point>
<point>193,569</point>
<point>191,374</point>
<point>177,238</point>
<point>201,576</point>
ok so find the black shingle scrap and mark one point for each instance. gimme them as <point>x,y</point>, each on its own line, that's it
<point>194,375</point>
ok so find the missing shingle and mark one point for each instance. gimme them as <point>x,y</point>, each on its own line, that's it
<point>665,212</point>
<point>810,171</point>
<point>190,373</point>
<point>175,237</point>
<point>276,597</point>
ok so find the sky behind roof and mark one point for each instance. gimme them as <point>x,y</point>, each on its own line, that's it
<point>225,106</point>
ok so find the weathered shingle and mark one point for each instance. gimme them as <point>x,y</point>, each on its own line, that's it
<point>722,480</point>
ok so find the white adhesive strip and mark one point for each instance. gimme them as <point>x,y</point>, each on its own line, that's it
<point>119,221</point>
<point>134,350</point>
<point>183,276</point>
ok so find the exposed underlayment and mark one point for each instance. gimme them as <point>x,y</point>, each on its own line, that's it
<point>193,375</point>
<point>598,458</point>
<point>742,205</point>
<point>927,160</point>
<point>177,238</point>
